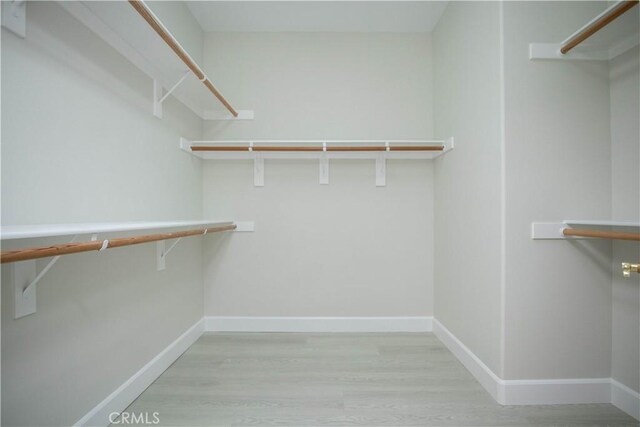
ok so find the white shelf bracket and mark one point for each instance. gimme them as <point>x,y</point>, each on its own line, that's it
<point>162,252</point>
<point>159,97</point>
<point>381,169</point>
<point>550,231</point>
<point>258,169</point>
<point>324,166</point>
<point>448,145</point>
<point>24,301</point>
<point>14,16</point>
<point>157,94</point>
<point>24,280</point>
<point>245,226</point>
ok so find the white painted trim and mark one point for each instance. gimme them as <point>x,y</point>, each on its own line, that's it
<point>526,392</point>
<point>317,324</point>
<point>556,391</point>
<point>625,399</point>
<point>124,395</point>
<point>485,376</point>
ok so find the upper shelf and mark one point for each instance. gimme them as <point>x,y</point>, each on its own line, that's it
<point>12,232</point>
<point>123,27</point>
<point>607,35</point>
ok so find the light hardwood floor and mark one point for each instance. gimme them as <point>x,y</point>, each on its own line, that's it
<point>242,379</point>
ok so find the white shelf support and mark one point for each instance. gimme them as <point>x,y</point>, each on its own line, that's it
<point>159,98</point>
<point>381,170</point>
<point>323,164</point>
<point>162,252</point>
<point>24,301</point>
<point>24,280</point>
<point>245,226</point>
<point>157,95</point>
<point>448,144</point>
<point>549,231</point>
<point>258,170</point>
<point>14,16</point>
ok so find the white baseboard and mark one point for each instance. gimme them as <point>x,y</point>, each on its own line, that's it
<point>625,398</point>
<point>124,395</point>
<point>318,324</point>
<point>485,376</point>
<point>556,391</point>
<point>540,392</point>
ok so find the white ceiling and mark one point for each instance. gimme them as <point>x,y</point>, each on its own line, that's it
<point>318,16</point>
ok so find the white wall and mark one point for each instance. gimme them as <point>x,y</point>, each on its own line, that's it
<point>625,152</point>
<point>558,166</point>
<point>323,85</point>
<point>468,179</point>
<point>78,130</point>
<point>346,249</point>
<point>79,143</point>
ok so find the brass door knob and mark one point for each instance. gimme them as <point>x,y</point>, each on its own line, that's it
<point>627,268</point>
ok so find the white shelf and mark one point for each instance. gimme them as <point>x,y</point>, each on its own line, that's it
<point>12,232</point>
<point>25,275</point>
<point>553,230</point>
<point>118,23</point>
<point>615,39</point>
<point>186,145</point>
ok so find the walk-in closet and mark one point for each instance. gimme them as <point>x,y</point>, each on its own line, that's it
<point>320,213</point>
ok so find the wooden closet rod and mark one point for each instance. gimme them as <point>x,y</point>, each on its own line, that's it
<point>162,31</point>
<point>597,24</point>
<point>614,235</point>
<point>73,248</point>
<point>320,149</point>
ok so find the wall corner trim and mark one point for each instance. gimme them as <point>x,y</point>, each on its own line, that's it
<point>124,395</point>
<point>540,391</point>
<point>317,324</point>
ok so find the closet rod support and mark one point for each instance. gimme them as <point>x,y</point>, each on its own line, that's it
<point>25,279</point>
<point>162,253</point>
<point>159,97</point>
<point>46,269</point>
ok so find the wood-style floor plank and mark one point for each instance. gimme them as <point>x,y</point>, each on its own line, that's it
<point>274,379</point>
